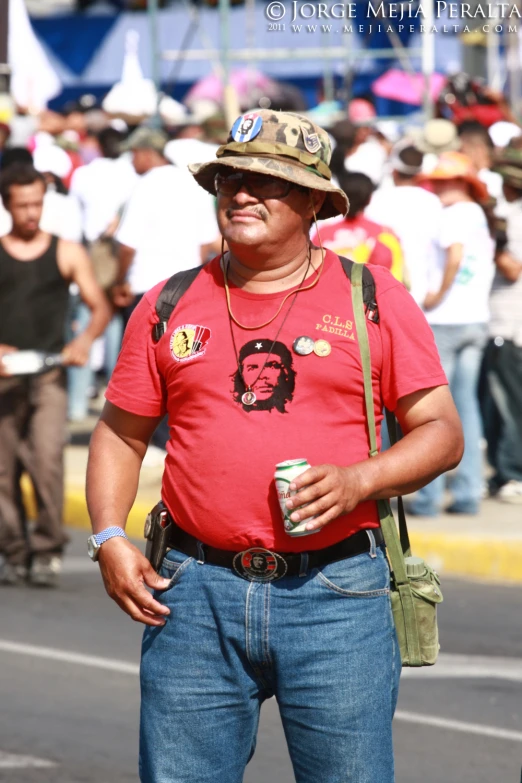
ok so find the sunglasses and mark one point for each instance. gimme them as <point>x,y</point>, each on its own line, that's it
<point>261,186</point>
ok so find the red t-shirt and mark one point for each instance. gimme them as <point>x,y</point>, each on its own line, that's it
<point>221,456</point>
<point>357,238</point>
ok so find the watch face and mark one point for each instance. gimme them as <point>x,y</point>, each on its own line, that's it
<point>92,547</point>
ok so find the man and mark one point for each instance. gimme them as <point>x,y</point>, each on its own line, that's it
<point>412,213</point>
<point>320,635</point>
<point>166,226</point>
<point>36,269</point>
<point>477,144</point>
<point>503,359</point>
<point>101,188</point>
<point>357,237</point>
<point>60,214</point>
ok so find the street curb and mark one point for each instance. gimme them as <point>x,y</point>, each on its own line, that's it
<point>491,559</point>
<point>76,515</point>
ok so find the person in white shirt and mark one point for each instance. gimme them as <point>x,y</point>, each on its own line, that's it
<point>167,225</point>
<point>103,186</point>
<point>413,213</point>
<point>100,189</point>
<point>457,308</point>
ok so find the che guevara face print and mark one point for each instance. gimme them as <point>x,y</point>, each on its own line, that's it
<point>267,369</point>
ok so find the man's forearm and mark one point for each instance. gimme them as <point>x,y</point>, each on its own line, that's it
<point>112,478</point>
<point>508,266</point>
<point>100,317</point>
<point>453,261</point>
<point>416,459</point>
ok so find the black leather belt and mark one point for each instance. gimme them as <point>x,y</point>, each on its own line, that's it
<point>263,565</point>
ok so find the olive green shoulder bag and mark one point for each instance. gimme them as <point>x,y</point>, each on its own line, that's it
<point>415,590</point>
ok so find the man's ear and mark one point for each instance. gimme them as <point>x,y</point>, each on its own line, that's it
<point>316,201</point>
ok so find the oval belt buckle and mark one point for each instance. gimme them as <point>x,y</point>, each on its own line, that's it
<point>259,565</point>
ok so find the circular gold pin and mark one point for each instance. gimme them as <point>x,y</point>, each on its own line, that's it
<point>322,348</point>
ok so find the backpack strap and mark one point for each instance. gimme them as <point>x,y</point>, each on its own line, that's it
<point>169,296</point>
<point>368,287</point>
<point>395,547</point>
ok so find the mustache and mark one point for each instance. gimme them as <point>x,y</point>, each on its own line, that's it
<point>258,210</point>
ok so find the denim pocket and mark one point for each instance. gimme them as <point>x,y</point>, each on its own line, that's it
<point>174,563</point>
<point>362,576</point>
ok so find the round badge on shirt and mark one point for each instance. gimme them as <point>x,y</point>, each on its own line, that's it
<point>303,345</point>
<point>322,348</point>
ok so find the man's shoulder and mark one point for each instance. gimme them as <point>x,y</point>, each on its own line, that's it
<point>207,272</point>
<point>385,282</point>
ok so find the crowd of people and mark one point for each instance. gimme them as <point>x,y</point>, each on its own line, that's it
<point>109,210</point>
<point>444,214</point>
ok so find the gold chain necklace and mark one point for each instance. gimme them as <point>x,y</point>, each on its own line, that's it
<point>262,326</point>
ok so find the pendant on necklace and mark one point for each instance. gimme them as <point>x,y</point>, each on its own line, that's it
<point>248,398</point>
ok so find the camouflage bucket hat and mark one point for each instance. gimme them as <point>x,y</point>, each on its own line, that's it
<point>281,144</point>
<point>509,166</point>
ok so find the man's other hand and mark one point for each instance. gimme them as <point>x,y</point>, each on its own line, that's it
<point>126,575</point>
<point>5,349</point>
<point>121,295</point>
<point>77,352</point>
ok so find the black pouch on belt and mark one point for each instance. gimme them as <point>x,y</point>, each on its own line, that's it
<point>157,527</point>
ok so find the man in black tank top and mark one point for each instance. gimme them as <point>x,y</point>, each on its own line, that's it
<point>36,270</point>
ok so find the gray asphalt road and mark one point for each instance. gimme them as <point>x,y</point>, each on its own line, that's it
<point>69,690</point>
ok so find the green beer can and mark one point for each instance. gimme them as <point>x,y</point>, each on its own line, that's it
<point>285,473</point>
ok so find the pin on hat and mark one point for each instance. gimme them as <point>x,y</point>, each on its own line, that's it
<point>311,142</point>
<point>246,127</point>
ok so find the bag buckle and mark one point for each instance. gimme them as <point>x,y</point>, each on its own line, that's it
<point>259,565</point>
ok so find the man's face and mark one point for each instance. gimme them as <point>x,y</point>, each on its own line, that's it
<point>182,343</point>
<point>144,160</point>
<point>25,206</point>
<point>451,191</point>
<point>248,220</point>
<point>264,386</point>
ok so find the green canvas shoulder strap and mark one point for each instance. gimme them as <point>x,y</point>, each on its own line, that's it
<point>397,548</point>
<point>396,551</point>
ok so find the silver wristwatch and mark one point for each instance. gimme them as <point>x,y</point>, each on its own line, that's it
<point>94,542</point>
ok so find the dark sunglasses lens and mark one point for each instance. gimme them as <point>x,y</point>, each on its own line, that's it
<point>258,185</point>
<point>228,184</point>
<point>267,187</point>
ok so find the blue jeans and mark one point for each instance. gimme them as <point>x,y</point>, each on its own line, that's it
<point>461,349</point>
<point>323,643</point>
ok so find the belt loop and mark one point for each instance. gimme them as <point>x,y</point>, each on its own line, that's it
<point>201,553</point>
<point>303,568</point>
<point>373,547</point>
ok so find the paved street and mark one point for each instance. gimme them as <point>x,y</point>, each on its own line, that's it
<point>69,690</point>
